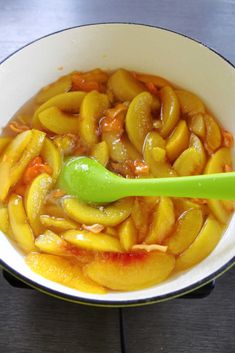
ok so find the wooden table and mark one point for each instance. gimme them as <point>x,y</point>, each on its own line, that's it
<point>31,322</point>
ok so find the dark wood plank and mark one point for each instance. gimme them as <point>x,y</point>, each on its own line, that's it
<point>183,326</point>
<point>33,322</point>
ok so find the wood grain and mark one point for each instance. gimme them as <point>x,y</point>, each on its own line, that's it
<point>33,322</point>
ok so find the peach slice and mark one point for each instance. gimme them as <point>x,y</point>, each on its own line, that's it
<point>116,148</point>
<point>132,152</point>
<point>53,119</point>
<point>34,199</point>
<point>156,80</point>
<point>158,154</point>
<point>213,134</point>
<point>163,221</point>
<point>63,270</point>
<point>62,85</point>
<point>159,169</point>
<point>140,215</point>
<point>139,119</point>
<point>216,164</point>
<point>182,205</point>
<point>57,224</point>
<point>112,231</point>
<point>130,271</point>
<point>21,229</point>
<point>51,243</point>
<point>100,152</point>
<point>4,220</point>
<point>127,234</point>
<point>195,142</point>
<point>197,125</point>
<point>124,86</point>
<point>110,215</point>
<point>185,233</point>
<point>170,110</point>
<point>92,108</point>
<point>188,163</point>
<point>202,246</point>
<point>91,241</point>
<point>190,103</point>
<point>218,161</point>
<point>52,156</point>
<point>178,141</point>
<point>17,155</point>
<point>69,102</point>
<point>4,142</point>
<point>53,210</point>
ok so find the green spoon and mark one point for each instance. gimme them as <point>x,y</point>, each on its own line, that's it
<point>91,182</point>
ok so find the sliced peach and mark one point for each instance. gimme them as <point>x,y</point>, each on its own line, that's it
<point>62,270</point>
<point>218,161</point>
<point>132,152</point>
<point>130,271</point>
<point>21,229</point>
<point>159,154</point>
<point>190,103</point>
<point>62,85</point>
<point>195,142</point>
<point>182,205</point>
<point>202,246</point>
<point>197,125</point>
<point>127,234</point>
<point>159,169</point>
<point>139,119</point>
<point>140,215</point>
<point>216,164</point>
<point>110,215</point>
<point>4,220</point>
<point>163,221</point>
<point>92,108</point>
<point>116,149</point>
<point>124,86</point>
<point>112,231</point>
<point>49,242</point>
<point>57,224</point>
<point>54,120</point>
<point>52,156</point>
<point>178,141</point>
<point>184,233</point>
<point>34,199</point>
<point>69,102</point>
<point>16,157</point>
<point>100,152</point>
<point>188,163</point>
<point>213,134</point>
<point>66,144</point>
<point>91,241</point>
<point>170,110</point>
<point>4,141</point>
<point>53,210</point>
<point>156,80</point>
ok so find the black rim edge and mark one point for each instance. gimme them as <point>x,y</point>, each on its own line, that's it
<point>135,302</point>
<point>121,303</point>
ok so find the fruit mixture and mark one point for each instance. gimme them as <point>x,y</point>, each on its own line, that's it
<point>138,126</point>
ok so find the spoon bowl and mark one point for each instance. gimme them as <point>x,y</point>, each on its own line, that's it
<point>90,181</point>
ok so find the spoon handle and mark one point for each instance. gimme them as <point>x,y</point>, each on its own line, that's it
<point>211,186</point>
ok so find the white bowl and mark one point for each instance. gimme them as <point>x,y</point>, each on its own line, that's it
<point>183,61</point>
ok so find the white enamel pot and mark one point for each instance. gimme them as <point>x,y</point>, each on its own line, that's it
<point>183,61</point>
